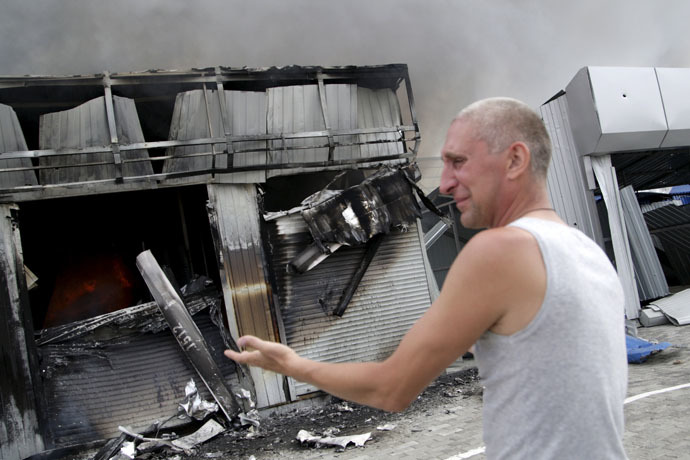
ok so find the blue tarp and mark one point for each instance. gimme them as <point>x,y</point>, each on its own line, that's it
<point>639,350</point>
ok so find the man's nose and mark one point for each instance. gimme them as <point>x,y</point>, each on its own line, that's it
<point>448,182</point>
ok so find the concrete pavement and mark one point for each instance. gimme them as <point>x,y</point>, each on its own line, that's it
<point>657,416</point>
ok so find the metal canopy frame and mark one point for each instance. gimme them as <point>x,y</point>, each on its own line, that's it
<point>42,94</point>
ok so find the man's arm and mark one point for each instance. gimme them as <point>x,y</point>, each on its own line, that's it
<point>478,289</point>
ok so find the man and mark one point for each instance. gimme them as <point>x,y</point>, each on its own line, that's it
<point>540,300</point>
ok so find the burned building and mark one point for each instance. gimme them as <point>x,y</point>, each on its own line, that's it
<point>279,202</point>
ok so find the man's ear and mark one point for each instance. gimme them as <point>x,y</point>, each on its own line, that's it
<point>518,159</point>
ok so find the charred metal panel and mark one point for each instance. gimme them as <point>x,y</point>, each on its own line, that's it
<point>87,126</point>
<point>377,109</point>
<point>294,109</point>
<point>567,181</point>
<point>377,205</point>
<point>393,294</point>
<point>197,114</point>
<point>93,387</point>
<point>12,140</point>
<point>186,332</point>
<point>20,431</point>
<point>234,217</point>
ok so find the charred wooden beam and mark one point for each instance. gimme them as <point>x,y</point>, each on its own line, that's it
<point>186,332</point>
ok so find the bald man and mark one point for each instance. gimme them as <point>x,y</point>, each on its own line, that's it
<point>539,299</point>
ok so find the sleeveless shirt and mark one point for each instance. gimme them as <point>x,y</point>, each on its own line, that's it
<point>555,389</point>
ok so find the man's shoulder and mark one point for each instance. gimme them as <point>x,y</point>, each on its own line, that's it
<point>500,243</point>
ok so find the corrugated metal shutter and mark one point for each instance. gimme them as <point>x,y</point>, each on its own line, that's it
<point>392,296</point>
<point>12,140</point>
<point>566,180</point>
<point>87,126</point>
<point>131,382</point>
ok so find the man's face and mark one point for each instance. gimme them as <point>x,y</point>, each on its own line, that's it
<point>471,175</point>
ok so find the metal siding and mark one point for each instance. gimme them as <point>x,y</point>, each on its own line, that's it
<point>248,298</point>
<point>392,296</point>
<point>245,114</point>
<point>191,121</point>
<point>12,140</point>
<point>651,283</point>
<point>606,177</point>
<point>87,126</point>
<point>566,181</point>
<point>294,109</point>
<point>377,109</point>
<point>130,382</point>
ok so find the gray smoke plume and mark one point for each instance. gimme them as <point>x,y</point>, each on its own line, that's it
<point>457,50</point>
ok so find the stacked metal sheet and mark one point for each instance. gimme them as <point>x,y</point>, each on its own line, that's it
<point>651,282</point>
<point>87,126</point>
<point>566,179</point>
<point>12,140</point>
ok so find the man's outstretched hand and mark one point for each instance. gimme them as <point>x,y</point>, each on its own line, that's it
<point>271,356</point>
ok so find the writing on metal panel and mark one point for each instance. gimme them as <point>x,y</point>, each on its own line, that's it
<point>186,342</point>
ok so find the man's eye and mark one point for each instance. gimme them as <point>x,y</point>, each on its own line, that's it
<point>458,162</point>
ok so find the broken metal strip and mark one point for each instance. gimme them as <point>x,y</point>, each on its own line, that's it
<point>413,112</point>
<point>112,128</point>
<point>224,117</point>
<point>298,73</point>
<point>218,140</point>
<point>324,112</point>
<point>210,132</point>
<point>153,181</point>
<point>186,332</point>
<point>371,249</point>
<point>145,318</point>
<point>189,155</point>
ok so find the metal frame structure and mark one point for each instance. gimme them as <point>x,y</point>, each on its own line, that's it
<point>18,92</point>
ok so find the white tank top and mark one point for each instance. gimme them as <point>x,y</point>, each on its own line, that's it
<point>555,389</point>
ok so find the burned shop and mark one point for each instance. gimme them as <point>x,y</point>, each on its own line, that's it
<point>279,202</point>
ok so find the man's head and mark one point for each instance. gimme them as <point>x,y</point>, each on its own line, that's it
<point>500,121</point>
<point>495,149</point>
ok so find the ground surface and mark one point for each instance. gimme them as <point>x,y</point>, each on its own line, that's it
<point>445,421</point>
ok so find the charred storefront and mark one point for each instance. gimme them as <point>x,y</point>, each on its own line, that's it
<point>277,202</point>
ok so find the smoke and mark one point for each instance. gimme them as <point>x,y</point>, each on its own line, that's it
<point>457,50</point>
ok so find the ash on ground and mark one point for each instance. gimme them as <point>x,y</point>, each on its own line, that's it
<point>276,437</point>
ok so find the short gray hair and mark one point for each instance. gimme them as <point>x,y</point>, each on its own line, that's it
<point>500,121</point>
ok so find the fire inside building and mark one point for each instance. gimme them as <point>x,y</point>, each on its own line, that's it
<point>255,198</point>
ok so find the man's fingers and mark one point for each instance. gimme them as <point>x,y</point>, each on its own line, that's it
<point>244,357</point>
<point>249,341</point>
